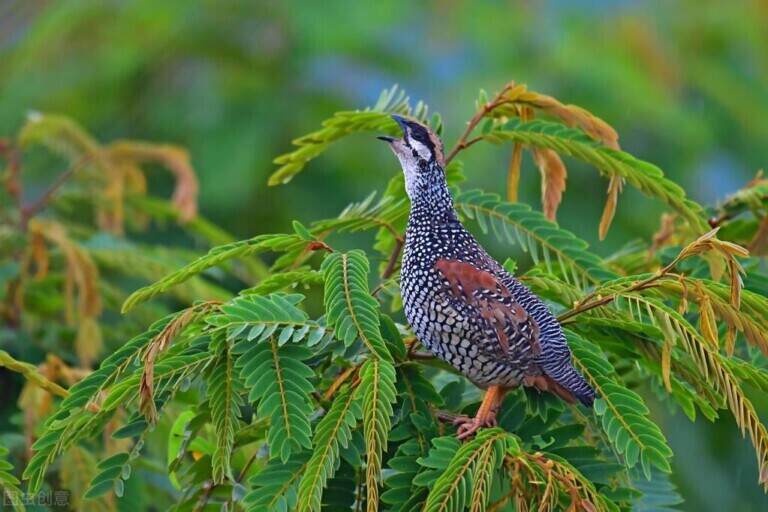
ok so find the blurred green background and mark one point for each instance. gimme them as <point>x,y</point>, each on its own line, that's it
<point>685,84</point>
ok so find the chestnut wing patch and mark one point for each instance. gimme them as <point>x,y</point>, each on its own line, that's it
<point>493,300</point>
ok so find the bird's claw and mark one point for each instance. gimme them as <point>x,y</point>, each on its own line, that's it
<point>469,426</point>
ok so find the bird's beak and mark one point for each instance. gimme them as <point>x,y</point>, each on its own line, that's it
<point>399,120</point>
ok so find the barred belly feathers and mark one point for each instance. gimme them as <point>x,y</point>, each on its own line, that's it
<point>461,303</point>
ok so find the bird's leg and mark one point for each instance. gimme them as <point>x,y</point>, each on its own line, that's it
<point>486,414</point>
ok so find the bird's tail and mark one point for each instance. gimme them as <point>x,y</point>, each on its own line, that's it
<point>571,381</point>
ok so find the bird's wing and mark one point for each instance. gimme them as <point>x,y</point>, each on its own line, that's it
<point>514,329</point>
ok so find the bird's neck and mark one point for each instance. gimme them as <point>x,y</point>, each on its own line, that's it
<point>431,199</point>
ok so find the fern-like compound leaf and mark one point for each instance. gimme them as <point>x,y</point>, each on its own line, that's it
<point>349,306</point>
<point>401,494</point>
<point>377,393</point>
<point>9,484</point>
<point>466,478</point>
<point>644,176</point>
<point>332,434</point>
<point>277,379</point>
<point>376,118</point>
<point>215,256</point>
<point>256,318</point>
<point>713,366</point>
<point>624,415</point>
<point>224,399</point>
<point>275,486</point>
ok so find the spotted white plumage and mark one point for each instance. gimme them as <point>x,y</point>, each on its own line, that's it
<point>461,303</point>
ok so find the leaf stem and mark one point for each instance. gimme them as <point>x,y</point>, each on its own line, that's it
<point>464,141</point>
<point>340,380</point>
<point>599,300</point>
<point>392,262</point>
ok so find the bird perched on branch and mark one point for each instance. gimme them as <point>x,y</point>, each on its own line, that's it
<point>461,303</point>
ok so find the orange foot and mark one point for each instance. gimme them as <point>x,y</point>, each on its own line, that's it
<point>486,414</point>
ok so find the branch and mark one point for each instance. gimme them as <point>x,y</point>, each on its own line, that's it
<point>390,269</point>
<point>464,142</point>
<point>340,380</point>
<point>603,300</point>
<point>30,210</point>
<point>704,243</point>
<point>13,181</point>
<point>30,372</point>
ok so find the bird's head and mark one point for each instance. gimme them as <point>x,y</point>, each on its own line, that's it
<point>420,152</point>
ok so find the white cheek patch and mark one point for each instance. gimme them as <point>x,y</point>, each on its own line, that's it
<point>422,150</point>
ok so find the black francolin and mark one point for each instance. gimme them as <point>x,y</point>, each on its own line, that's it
<point>461,303</point>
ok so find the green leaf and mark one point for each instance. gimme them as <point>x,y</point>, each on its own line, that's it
<point>376,118</point>
<point>110,473</point>
<point>9,484</point>
<point>466,479</point>
<point>282,280</point>
<point>224,401</point>
<point>401,494</point>
<point>365,215</point>
<point>257,317</point>
<point>215,256</point>
<point>713,367</point>
<point>644,176</point>
<point>377,393</point>
<point>68,423</point>
<point>349,306</point>
<point>332,433</point>
<point>278,381</point>
<point>625,417</point>
<point>275,486</point>
<point>658,493</point>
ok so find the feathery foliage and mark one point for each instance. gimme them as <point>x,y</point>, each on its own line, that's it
<point>223,398</point>
<point>376,118</point>
<point>350,308</point>
<point>274,488</point>
<point>646,177</point>
<point>332,434</point>
<point>289,381</point>
<point>215,256</point>
<point>515,222</point>
<point>9,484</point>
<point>465,480</point>
<point>623,413</point>
<point>377,390</point>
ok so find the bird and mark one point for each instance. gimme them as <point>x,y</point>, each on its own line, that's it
<point>462,305</point>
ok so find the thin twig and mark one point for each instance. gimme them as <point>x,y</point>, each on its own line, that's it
<point>247,466</point>
<point>208,488</point>
<point>603,300</point>
<point>421,356</point>
<point>340,380</point>
<point>32,374</point>
<point>28,211</point>
<point>448,417</point>
<point>13,182</point>
<point>390,269</point>
<point>464,142</point>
